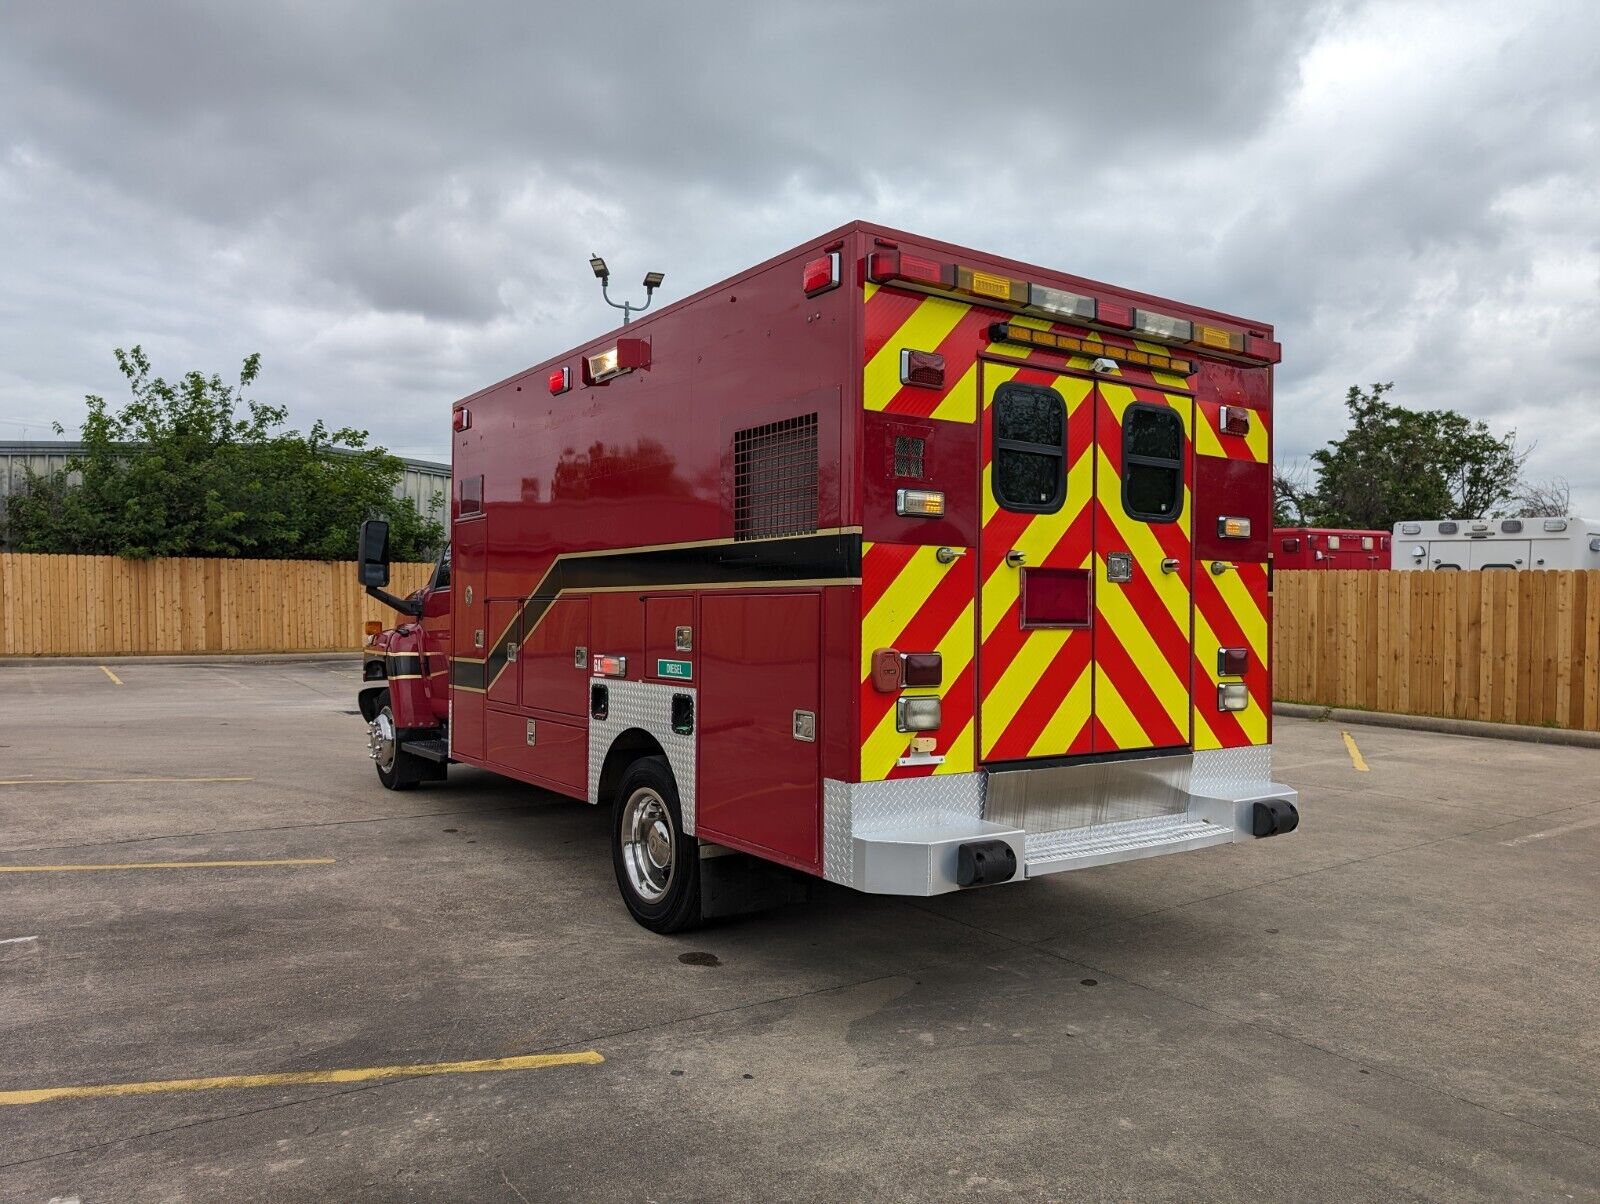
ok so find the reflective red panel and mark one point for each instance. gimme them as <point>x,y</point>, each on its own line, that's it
<point>1055,597</point>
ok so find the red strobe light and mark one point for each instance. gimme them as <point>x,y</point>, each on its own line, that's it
<point>821,274</point>
<point>462,420</point>
<point>560,379</point>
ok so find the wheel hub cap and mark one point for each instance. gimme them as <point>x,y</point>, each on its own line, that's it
<point>380,740</point>
<point>649,844</point>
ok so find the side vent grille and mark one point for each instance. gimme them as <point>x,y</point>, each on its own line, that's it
<point>775,479</point>
<point>908,453</point>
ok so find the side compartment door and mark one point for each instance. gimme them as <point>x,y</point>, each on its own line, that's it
<point>1035,549</point>
<point>1143,562</point>
<point>758,781</point>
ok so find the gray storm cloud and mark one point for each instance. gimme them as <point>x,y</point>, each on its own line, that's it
<point>395,205</point>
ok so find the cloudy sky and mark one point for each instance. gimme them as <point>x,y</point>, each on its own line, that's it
<point>395,203</point>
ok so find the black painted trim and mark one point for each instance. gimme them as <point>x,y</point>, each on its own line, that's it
<point>757,562</point>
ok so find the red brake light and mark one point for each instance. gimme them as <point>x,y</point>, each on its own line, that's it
<point>897,265</point>
<point>921,669</point>
<point>820,274</point>
<point>1055,597</point>
<point>1263,348</point>
<point>1232,662</point>
<point>560,379</point>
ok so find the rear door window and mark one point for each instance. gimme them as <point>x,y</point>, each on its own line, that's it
<point>1029,471</point>
<point>1152,463</point>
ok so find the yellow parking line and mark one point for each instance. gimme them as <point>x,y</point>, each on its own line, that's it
<point>1356,758</point>
<point>587,1057</point>
<point>115,679</point>
<point>105,781</point>
<point>162,865</point>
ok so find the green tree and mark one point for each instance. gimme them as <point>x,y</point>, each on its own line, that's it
<point>1395,464</point>
<point>197,468</point>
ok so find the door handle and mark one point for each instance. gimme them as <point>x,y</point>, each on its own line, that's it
<point>1169,565</point>
<point>1015,558</point>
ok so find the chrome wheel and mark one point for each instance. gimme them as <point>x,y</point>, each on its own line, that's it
<point>649,844</point>
<point>381,741</point>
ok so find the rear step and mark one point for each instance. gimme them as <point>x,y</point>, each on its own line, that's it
<point>1100,844</point>
<point>432,750</point>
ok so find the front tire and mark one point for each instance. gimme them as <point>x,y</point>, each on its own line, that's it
<point>397,769</point>
<point>657,864</point>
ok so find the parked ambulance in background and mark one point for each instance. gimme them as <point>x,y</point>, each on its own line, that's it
<point>1329,548</point>
<point>1497,543</point>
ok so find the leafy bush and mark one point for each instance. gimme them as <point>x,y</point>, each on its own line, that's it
<point>196,468</point>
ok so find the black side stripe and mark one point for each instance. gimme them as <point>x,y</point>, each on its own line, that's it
<point>834,557</point>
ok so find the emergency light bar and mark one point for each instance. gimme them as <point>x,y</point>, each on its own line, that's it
<point>895,265</point>
<point>1008,332</point>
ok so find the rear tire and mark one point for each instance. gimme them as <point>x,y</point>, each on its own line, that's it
<point>657,865</point>
<point>397,769</point>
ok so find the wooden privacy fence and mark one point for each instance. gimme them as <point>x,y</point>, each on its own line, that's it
<point>106,606</point>
<point>1511,647</point>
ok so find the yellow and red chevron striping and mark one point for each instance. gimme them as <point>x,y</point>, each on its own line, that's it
<point>1035,683</point>
<point>1211,440</point>
<point>1232,609</point>
<point>1142,626</point>
<point>912,603</point>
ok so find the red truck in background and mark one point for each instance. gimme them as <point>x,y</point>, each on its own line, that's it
<point>1329,548</point>
<point>885,561</point>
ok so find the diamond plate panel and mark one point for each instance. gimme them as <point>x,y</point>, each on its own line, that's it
<point>1223,772</point>
<point>838,855</point>
<point>850,809</point>
<point>1115,838</point>
<point>646,705</point>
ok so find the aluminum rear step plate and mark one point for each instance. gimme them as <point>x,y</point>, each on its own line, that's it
<point>1101,844</point>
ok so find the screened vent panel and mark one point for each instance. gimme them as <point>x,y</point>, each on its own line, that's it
<point>908,453</point>
<point>775,479</point>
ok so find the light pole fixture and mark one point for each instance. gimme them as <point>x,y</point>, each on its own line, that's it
<point>652,281</point>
